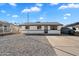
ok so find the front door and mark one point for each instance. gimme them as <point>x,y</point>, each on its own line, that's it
<point>45,29</point>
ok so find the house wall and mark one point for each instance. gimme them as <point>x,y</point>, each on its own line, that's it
<point>33,27</point>
<point>70,27</point>
<point>59,27</point>
<point>77,28</point>
<point>42,28</point>
<point>1,29</point>
<point>48,27</point>
<point>15,29</point>
<point>33,30</point>
<point>4,28</point>
<point>7,29</point>
<point>22,28</point>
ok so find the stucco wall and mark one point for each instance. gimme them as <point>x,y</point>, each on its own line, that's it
<point>59,27</point>
<point>34,30</point>
<point>22,28</point>
<point>5,29</point>
<point>48,27</point>
<point>14,28</point>
<point>42,28</point>
<point>33,27</point>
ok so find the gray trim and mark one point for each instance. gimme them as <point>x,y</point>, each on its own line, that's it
<point>41,23</point>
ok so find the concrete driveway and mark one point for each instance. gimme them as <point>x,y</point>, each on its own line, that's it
<point>65,45</point>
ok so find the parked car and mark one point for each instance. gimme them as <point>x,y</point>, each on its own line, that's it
<point>65,30</point>
<point>71,32</point>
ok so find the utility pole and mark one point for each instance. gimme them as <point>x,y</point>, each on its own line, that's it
<point>27,17</point>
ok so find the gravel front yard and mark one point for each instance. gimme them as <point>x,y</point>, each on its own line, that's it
<point>25,45</point>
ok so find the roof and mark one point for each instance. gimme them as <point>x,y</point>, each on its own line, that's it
<point>41,23</point>
<point>4,23</point>
<point>73,24</point>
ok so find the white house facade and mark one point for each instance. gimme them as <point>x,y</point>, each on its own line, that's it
<point>6,27</point>
<point>41,28</point>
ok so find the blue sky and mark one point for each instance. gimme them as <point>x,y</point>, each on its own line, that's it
<point>64,13</point>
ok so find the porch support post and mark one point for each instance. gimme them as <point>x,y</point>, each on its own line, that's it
<point>3,28</point>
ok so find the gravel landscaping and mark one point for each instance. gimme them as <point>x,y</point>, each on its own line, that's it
<point>25,45</point>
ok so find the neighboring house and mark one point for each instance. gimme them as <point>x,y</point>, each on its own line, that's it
<point>41,28</point>
<point>72,29</point>
<point>74,26</point>
<point>6,27</point>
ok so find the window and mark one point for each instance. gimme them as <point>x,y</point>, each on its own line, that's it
<point>38,27</point>
<point>27,27</point>
<point>5,27</point>
<point>53,27</point>
<point>74,28</point>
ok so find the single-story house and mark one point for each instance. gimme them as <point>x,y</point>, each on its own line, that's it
<point>41,28</point>
<point>6,27</point>
<point>74,26</point>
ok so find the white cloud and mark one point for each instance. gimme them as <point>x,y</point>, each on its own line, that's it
<point>65,17</point>
<point>3,11</point>
<point>67,14</point>
<point>54,4</point>
<point>12,4</point>
<point>69,6</point>
<point>63,7</point>
<point>39,4</point>
<point>41,18</point>
<point>32,9</point>
<point>15,16</point>
<point>35,9</point>
<point>26,10</point>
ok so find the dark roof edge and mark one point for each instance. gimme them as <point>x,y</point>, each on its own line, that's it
<point>41,23</point>
<point>73,24</point>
